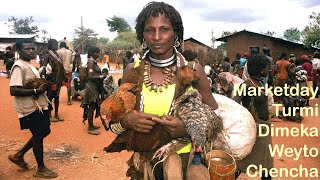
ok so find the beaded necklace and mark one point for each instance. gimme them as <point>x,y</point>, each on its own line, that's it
<point>146,76</point>
<point>169,72</point>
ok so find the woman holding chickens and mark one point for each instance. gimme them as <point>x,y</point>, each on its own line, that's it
<point>160,29</point>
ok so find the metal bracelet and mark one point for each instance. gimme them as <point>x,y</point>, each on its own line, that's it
<point>117,128</point>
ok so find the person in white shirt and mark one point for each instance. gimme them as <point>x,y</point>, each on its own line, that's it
<point>66,56</point>
<point>32,115</point>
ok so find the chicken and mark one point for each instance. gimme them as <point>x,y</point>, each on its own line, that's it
<point>118,104</point>
<point>34,84</point>
<point>142,142</point>
<point>187,77</point>
<point>201,122</point>
<point>112,111</point>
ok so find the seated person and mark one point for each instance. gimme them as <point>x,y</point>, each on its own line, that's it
<point>108,83</point>
<point>78,83</point>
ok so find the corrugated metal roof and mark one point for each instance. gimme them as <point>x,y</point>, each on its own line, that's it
<point>3,46</point>
<point>224,38</point>
<point>17,36</point>
<point>198,42</point>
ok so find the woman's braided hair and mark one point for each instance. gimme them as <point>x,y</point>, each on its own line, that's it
<point>154,9</point>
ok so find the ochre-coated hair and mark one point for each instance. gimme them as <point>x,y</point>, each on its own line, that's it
<point>154,9</point>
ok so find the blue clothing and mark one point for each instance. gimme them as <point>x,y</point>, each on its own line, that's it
<point>242,62</point>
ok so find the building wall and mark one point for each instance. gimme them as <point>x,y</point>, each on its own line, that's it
<point>40,47</point>
<point>7,40</point>
<point>289,48</point>
<point>205,54</point>
<point>240,43</point>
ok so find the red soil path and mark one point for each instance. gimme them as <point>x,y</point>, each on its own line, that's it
<point>74,154</point>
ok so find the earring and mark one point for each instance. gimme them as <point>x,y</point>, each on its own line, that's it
<point>176,42</point>
<point>144,45</point>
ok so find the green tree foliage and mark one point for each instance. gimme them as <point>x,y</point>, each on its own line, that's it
<point>124,40</point>
<point>228,33</point>
<point>293,34</point>
<point>86,37</point>
<point>22,26</point>
<point>44,37</point>
<point>103,40</point>
<point>223,45</point>
<point>118,24</point>
<point>269,33</point>
<point>311,33</point>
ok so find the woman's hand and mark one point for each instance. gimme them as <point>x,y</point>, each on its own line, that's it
<point>138,121</point>
<point>173,125</point>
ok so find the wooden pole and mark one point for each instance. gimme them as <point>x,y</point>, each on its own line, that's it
<point>82,48</point>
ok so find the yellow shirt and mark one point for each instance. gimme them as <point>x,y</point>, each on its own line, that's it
<point>159,103</point>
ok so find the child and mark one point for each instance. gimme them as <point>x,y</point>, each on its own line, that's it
<point>117,87</point>
<point>118,67</point>
<point>108,83</point>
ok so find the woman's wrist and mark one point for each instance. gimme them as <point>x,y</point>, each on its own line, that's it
<point>123,124</point>
<point>117,128</point>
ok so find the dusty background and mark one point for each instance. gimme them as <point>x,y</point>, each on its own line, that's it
<point>74,154</point>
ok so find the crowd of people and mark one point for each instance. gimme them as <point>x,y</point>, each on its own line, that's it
<point>285,70</point>
<point>159,29</point>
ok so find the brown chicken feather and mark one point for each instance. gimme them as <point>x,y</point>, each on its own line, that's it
<point>117,104</point>
<point>34,84</point>
<point>186,77</point>
<point>146,142</point>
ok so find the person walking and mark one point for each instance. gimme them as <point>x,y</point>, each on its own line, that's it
<point>8,60</point>
<point>107,58</point>
<point>93,91</point>
<point>54,72</point>
<point>282,72</point>
<point>30,116</point>
<point>66,56</point>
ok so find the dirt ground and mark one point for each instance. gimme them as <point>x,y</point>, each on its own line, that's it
<point>74,154</point>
